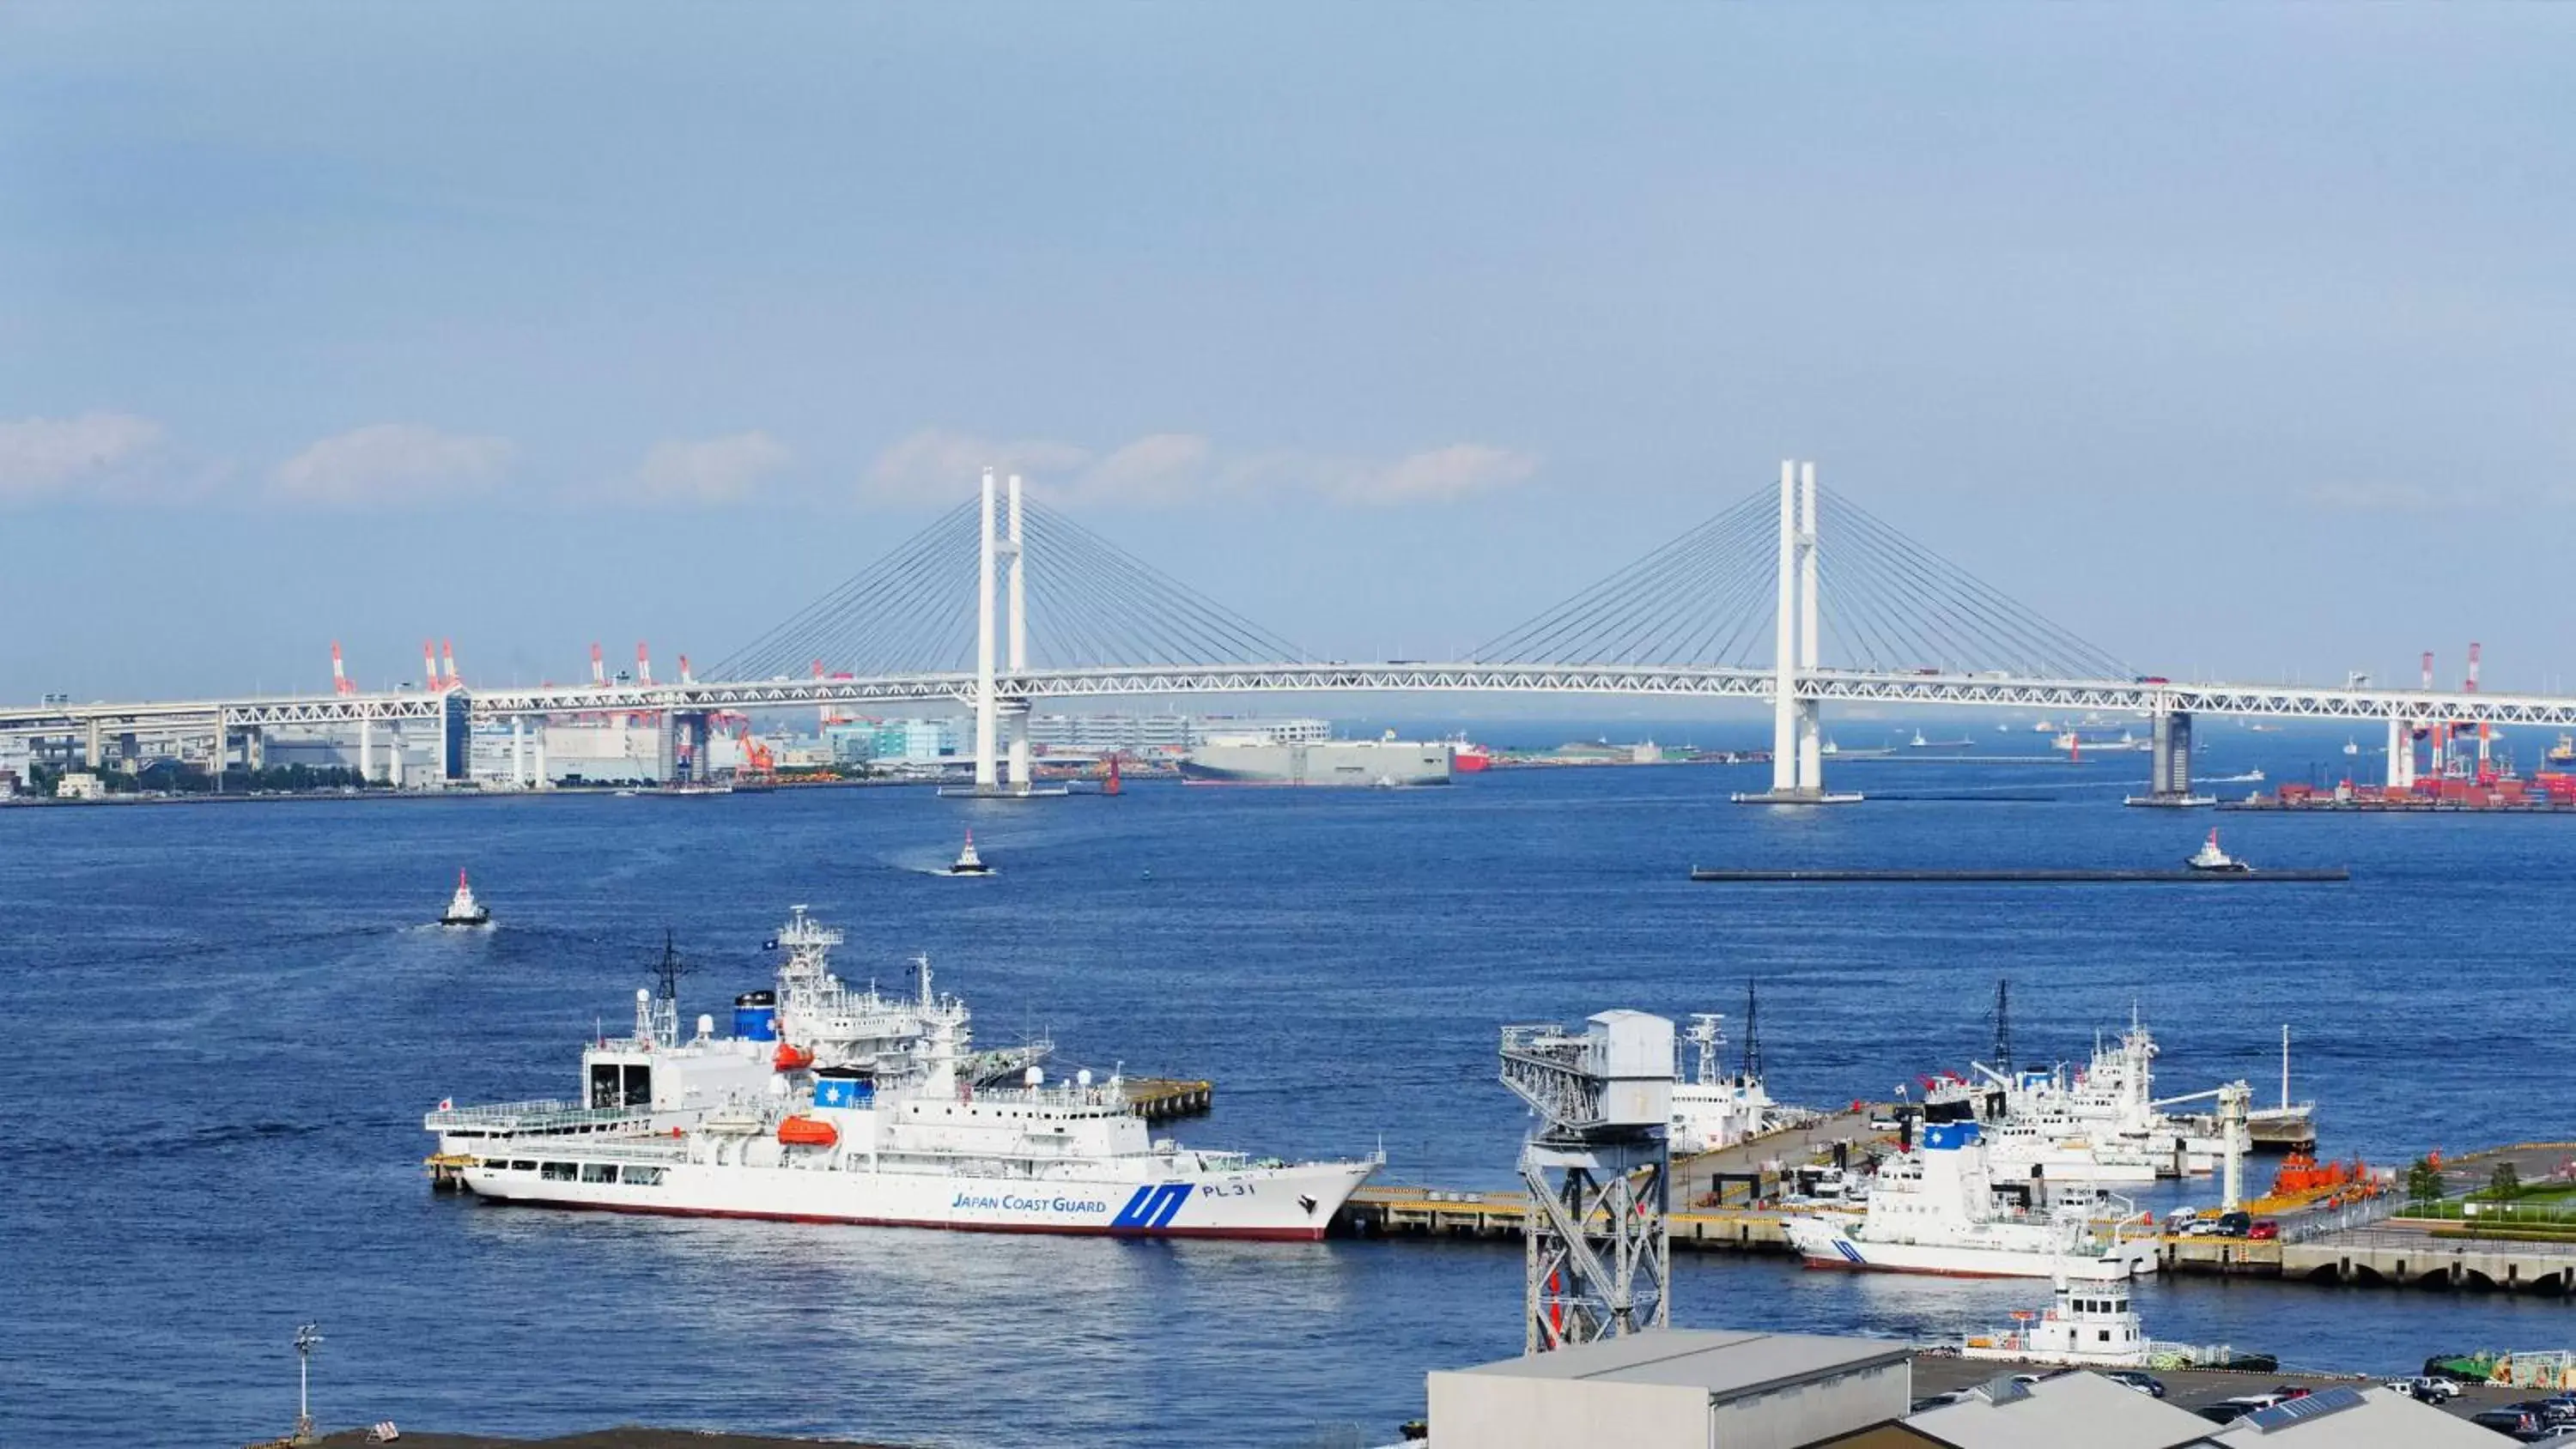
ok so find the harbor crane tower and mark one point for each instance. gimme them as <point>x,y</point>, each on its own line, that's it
<point>1598,1170</point>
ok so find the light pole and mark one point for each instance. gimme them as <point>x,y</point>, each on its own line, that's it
<point>308,1337</point>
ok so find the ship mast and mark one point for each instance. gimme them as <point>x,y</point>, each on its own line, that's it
<point>1706,1035</point>
<point>663,1026</point>
<point>1752,1036</point>
<point>2003,1027</point>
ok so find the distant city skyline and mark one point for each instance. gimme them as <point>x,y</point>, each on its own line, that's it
<point>2239,342</point>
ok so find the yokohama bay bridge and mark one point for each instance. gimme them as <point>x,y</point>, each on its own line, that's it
<point>1798,598</point>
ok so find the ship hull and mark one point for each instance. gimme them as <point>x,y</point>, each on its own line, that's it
<point>1822,1246</point>
<point>1346,764</point>
<point>1284,1203</point>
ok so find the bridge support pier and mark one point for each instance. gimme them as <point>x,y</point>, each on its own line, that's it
<point>1797,725</point>
<point>2169,763</point>
<point>366,752</point>
<point>519,751</point>
<point>2401,755</point>
<point>96,753</point>
<point>2172,772</point>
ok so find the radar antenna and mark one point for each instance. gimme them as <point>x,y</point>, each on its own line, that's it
<point>308,1337</point>
<point>1597,1257</point>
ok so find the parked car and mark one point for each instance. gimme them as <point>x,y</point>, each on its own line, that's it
<point>2147,1384</point>
<point>2226,1413</point>
<point>2235,1225</point>
<point>2549,1411</point>
<point>2426,1390</point>
<point>2264,1230</point>
<point>2520,1423</point>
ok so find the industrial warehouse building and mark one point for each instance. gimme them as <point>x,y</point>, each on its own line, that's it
<point>1676,1390</point>
<point>1671,1389</point>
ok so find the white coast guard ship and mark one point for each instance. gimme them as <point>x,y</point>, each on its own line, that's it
<point>1934,1210</point>
<point>866,1111</point>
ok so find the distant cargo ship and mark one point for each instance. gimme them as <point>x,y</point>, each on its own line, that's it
<point>1351,764</point>
<point>1468,758</point>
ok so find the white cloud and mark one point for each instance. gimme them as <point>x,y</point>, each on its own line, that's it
<point>1171,468</point>
<point>1156,468</point>
<point>392,465</point>
<point>936,466</point>
<point>1440,475</point>
<point>93,454</point>
<point>708,470</point>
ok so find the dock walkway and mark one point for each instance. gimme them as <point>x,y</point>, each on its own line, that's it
<point>1159,1099</point>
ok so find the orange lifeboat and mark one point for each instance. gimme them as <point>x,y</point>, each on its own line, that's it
<point>807,1132</point>
<point>791,1058</point>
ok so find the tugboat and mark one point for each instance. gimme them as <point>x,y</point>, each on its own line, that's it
<point>968,862</point>
<point>463,909</point>
<point>2210,860</point>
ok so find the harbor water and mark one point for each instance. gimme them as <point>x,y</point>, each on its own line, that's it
<point>228,1020</point>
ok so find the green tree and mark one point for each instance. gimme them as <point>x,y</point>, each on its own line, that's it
<point>2423,1182</point>
<point>2504,1183</point>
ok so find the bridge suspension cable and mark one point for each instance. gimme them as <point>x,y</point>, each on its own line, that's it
<point>1090,602</point>
<point>903,614</point>
<point>1887,604</point>
<point>1700,599</point>
<point>1891,604</point>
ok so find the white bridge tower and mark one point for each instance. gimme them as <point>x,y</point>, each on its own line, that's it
<point>1001,724</point>
<point>1598,1171</point>
<point>1797,734</point>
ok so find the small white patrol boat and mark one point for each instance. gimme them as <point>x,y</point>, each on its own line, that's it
<point>463,909</point>
<point>2087,1324</point>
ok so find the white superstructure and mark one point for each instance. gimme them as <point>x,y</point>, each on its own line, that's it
<point>2100,1123</point>
<point>463,909</point>
<point>868,1111</point>
<point>1713,1108</point>
<point>655,1079</point>
<point>1934,1209</point>
<point>2087,1324</point>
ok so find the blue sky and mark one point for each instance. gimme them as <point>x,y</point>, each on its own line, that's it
<point>2238,339</point>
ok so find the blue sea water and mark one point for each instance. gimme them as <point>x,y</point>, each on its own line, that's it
<point>226,1021</point>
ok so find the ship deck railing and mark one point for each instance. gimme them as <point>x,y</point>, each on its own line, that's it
<point>630,1149</point>
<point>545,1115</point>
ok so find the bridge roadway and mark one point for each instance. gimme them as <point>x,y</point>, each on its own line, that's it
<point>2142,697</point>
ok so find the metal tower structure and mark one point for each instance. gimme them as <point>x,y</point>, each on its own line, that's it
<point>1752,1034</point>
<point>2234,1100</point>
<point>2003,1026</point>
<point>1598,1170</point>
